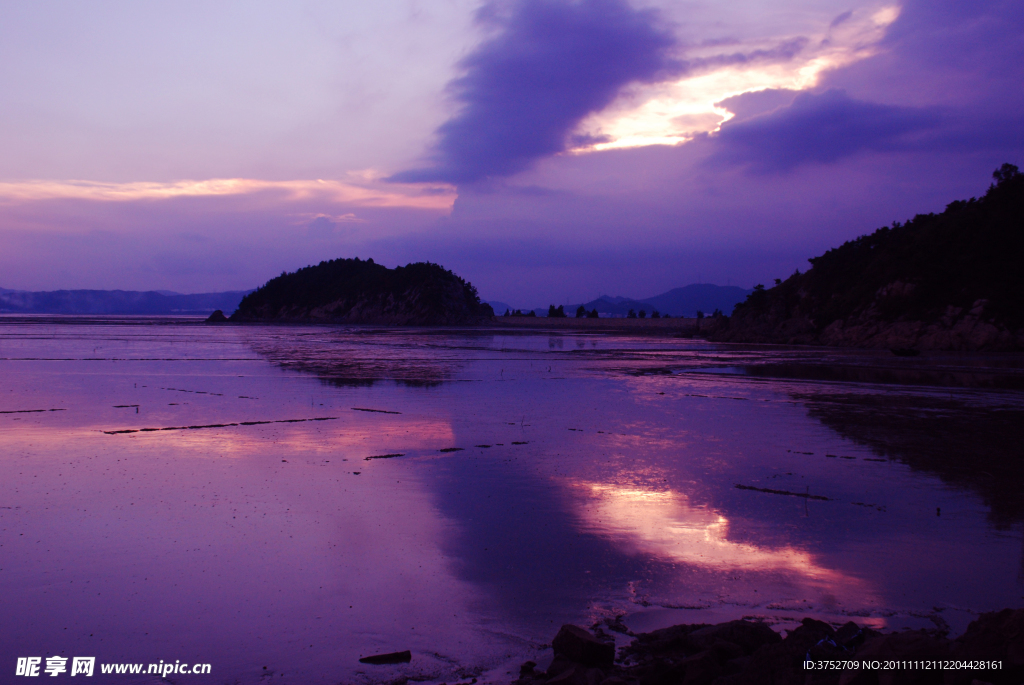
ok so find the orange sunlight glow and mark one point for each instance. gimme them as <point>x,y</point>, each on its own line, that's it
<point>365,194</point>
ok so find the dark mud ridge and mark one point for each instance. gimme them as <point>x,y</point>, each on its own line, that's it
<point>747,652</point>
<point>362,292</point>
<point>949,281</point>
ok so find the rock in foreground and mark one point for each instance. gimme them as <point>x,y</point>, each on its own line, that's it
<point>362,292</point>
<point>750,653</point>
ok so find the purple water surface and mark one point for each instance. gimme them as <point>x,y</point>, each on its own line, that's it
<point>595,476</point>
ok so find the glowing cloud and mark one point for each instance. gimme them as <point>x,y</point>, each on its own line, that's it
<point>674,112</point>
<point>415,196</point>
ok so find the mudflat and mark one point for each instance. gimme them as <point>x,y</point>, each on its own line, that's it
<point>283,501</point>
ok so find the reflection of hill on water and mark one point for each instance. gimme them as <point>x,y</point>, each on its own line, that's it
<point>960,376</point>
<point>968,446</point>
<point>344,360</point>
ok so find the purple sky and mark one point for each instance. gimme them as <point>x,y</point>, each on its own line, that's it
<point>547,150</point>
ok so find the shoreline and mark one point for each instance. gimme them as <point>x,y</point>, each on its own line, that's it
<point>705,329</point>
<point>688,326</point>
<point>745,652</point>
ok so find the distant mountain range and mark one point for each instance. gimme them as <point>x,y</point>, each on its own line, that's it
<point>116,302</point>
<point>685,301</point>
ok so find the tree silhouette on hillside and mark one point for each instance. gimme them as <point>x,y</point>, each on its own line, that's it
<point>935,268</point>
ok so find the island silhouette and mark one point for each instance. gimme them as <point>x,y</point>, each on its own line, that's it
<point>363,292</point>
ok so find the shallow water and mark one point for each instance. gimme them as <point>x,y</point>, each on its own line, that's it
<point>666,480</point>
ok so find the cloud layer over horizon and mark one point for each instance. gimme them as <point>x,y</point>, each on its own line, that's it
<point>807,125</point>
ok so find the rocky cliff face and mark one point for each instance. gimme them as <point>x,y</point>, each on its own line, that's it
<point>954,329</point>
<point>949,281</point>
<point>362,292</point>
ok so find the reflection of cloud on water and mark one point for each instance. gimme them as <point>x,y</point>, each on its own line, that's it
<point>934,434</point>
<point>276,554</point>
<point>666,525</point>
<point>335,437</point>
<point>345,435</point>
<point>340,358</point>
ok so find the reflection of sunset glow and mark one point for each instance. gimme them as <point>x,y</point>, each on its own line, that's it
<point>675,112</point>
<point>665,524</point>
<point>359,441</point>
<point>420,196</point>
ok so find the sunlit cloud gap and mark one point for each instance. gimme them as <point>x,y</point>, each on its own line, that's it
<point>417,196</point>
<point>675,112</point>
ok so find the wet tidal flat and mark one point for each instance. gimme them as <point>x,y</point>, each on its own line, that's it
<point>281,501</point>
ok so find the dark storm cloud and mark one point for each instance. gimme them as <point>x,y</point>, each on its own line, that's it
<point>964,54</point>
<point>985,32</point>
<point>755,102</point>
<point>551,63</point>
<point>821,128</point>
